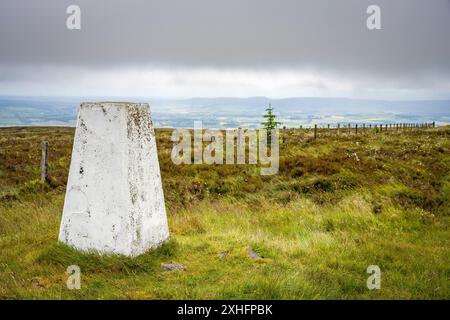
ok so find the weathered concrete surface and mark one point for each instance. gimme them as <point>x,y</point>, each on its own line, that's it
<point>114,199</point>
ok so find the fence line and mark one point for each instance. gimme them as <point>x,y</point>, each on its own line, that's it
<point>362,128</point>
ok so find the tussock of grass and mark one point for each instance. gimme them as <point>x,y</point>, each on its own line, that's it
<point>62,256</point>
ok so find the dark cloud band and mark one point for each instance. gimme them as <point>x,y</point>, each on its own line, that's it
<point>328,36</point>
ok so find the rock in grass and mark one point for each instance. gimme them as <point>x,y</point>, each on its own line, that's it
<point>224,254</point>
<point>252,254</point>
<point>173,267</point>
<point>377,209</point>
<point>39,283</point>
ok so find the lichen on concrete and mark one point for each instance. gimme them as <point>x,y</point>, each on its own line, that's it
<point>114,201</point>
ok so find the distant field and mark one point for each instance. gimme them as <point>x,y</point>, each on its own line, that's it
<point>337,205</point>
<point>231,112</point>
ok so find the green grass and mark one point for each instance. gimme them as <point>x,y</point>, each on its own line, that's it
<point>317,225</point>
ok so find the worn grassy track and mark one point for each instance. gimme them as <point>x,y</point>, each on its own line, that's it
<point>338,205</point>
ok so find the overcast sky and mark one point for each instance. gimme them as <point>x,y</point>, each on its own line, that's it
<point>185,48</point>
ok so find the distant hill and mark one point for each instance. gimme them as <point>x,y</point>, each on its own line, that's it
<point>231,112</point>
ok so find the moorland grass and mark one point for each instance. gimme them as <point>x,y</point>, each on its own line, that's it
<point>338,205</point>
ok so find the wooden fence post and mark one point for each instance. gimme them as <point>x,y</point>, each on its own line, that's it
<point>338,125</point>
<point>356,128</point>
<point>315,131</point>
<point>284,134</point>
<point>44,161</point>
<point>238,138</point>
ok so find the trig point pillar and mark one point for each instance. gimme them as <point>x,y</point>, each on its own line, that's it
<point>114,199</point>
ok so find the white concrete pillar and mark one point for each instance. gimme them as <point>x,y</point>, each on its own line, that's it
<point>114,199</point>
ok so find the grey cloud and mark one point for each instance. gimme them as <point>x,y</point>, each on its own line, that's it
<point>257,33</point>
<point>331,36</point>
